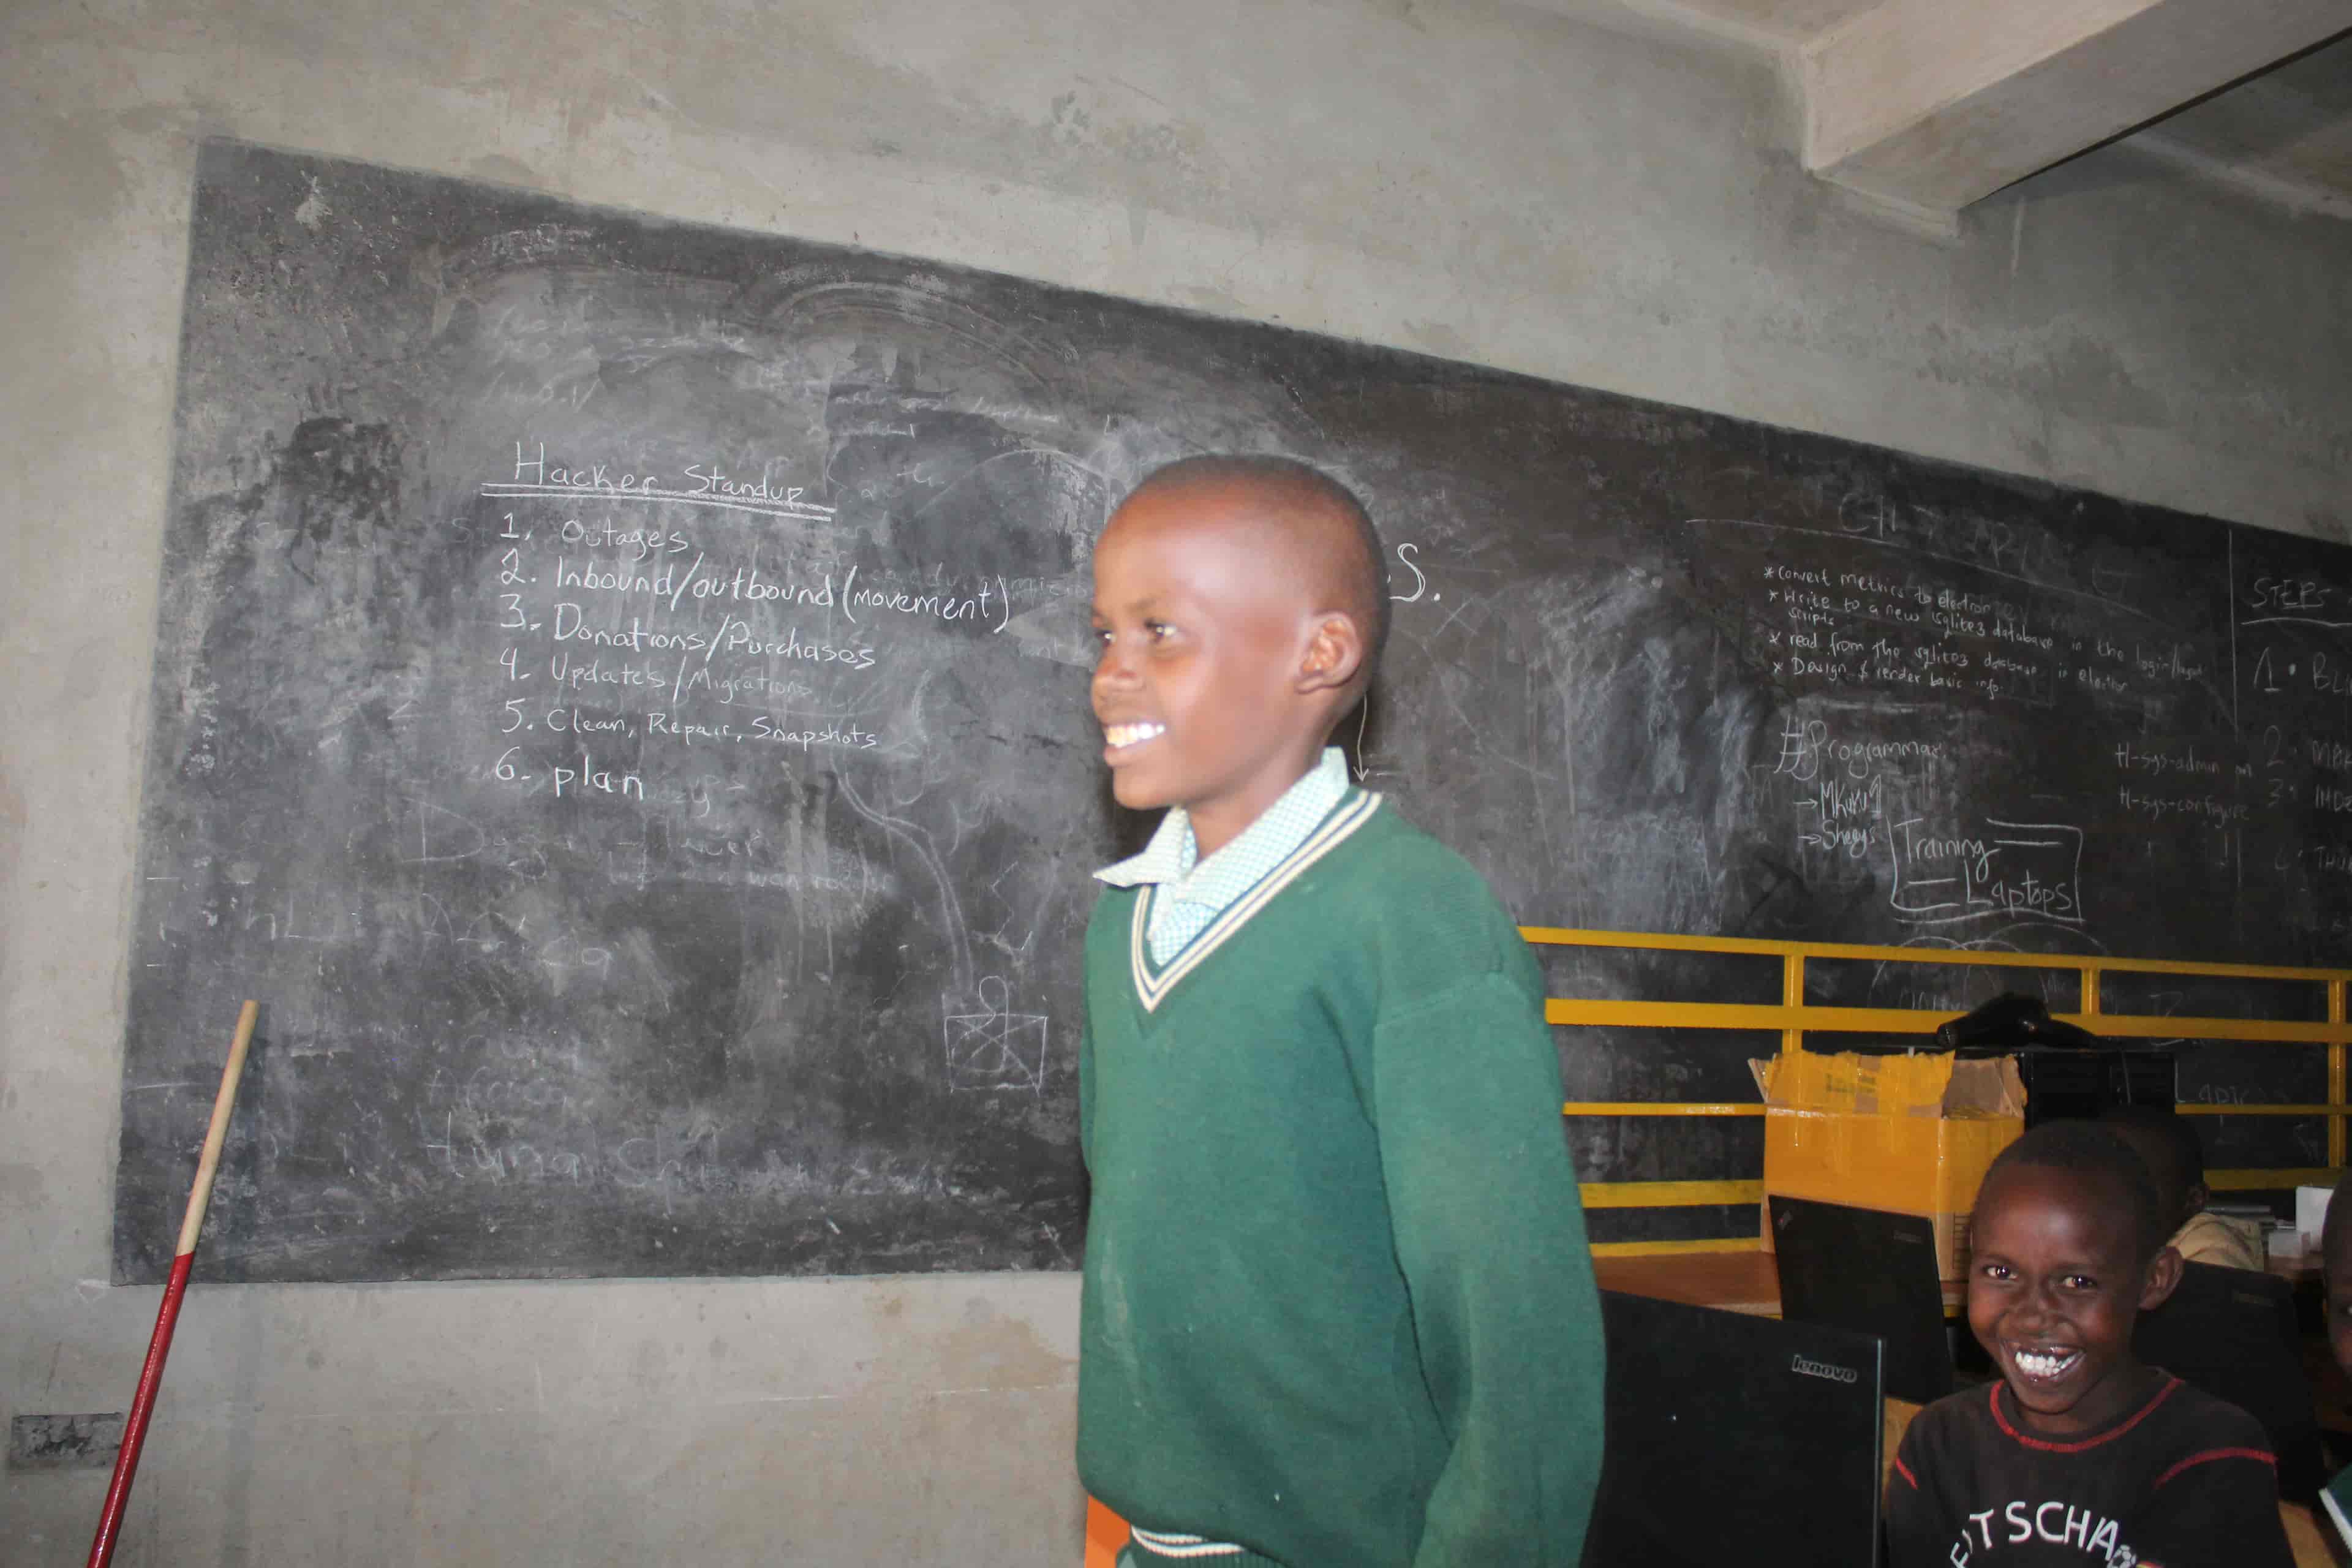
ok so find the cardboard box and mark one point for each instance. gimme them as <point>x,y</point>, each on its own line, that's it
<point>1913,1133</point>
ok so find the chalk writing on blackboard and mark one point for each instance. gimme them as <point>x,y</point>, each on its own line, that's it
<point>620,693</point>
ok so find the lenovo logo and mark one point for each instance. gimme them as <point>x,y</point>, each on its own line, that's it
<point>1822,1369</point>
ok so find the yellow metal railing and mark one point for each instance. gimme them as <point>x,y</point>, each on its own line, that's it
<point>1793,1018</point>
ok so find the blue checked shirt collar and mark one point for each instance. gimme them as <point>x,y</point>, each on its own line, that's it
<point>1195,891</point>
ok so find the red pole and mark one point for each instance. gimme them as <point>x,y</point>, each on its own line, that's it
<point>151,1375</point>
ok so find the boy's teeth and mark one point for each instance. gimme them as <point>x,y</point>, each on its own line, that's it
<point>1132,734</point>
<point>2044,1363</point>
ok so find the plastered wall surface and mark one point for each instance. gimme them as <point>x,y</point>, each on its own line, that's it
<point>1604,203</point>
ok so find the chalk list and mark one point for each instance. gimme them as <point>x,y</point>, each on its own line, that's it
<point>620,703</point>
<point>657,640</point>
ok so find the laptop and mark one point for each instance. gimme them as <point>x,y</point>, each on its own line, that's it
<point>1871,1272</point>
<point>2063,1084</point>
<point>2232,1332</point>
<point>1726,1430</point>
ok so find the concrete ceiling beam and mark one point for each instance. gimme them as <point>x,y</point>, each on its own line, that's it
<point>1927,105</point>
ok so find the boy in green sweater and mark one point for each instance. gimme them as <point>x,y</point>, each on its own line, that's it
<point>1338,1309</point>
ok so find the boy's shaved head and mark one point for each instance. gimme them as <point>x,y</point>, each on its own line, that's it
<point>2090,1148</point>
<point>1239,605</point>
<point>2067,1248</point>
<point>1310,522</point>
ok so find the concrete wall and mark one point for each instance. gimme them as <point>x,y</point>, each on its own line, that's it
<point>1602,205</point>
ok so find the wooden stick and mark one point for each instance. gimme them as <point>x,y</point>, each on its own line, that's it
<point>151,1375</point>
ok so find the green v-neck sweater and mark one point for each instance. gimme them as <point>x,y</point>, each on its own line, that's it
<point>1339,1308</point>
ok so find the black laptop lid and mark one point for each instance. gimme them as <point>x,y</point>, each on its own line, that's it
<point>2232,1333</point>
<point>1872,1272</point>
<point>1728,1432</point>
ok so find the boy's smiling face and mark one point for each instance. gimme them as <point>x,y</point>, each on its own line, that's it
<point>2055,1280</point>
<point>1217,678</point>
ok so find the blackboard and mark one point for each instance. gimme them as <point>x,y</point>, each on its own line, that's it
<point>620,703</point>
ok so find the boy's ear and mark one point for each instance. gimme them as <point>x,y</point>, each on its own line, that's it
<point>1335,651</point>
<point>2163,1277</point>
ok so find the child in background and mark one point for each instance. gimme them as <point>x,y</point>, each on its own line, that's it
<point>2167,1141</point>
<point>2335,1263</point>
<point>2080,1454</point>
<point>1338,1309</point>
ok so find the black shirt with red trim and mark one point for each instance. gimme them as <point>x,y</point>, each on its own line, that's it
<point>2182,1481</point>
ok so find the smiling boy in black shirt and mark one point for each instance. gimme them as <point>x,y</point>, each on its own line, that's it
<point>2080,1454</point>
